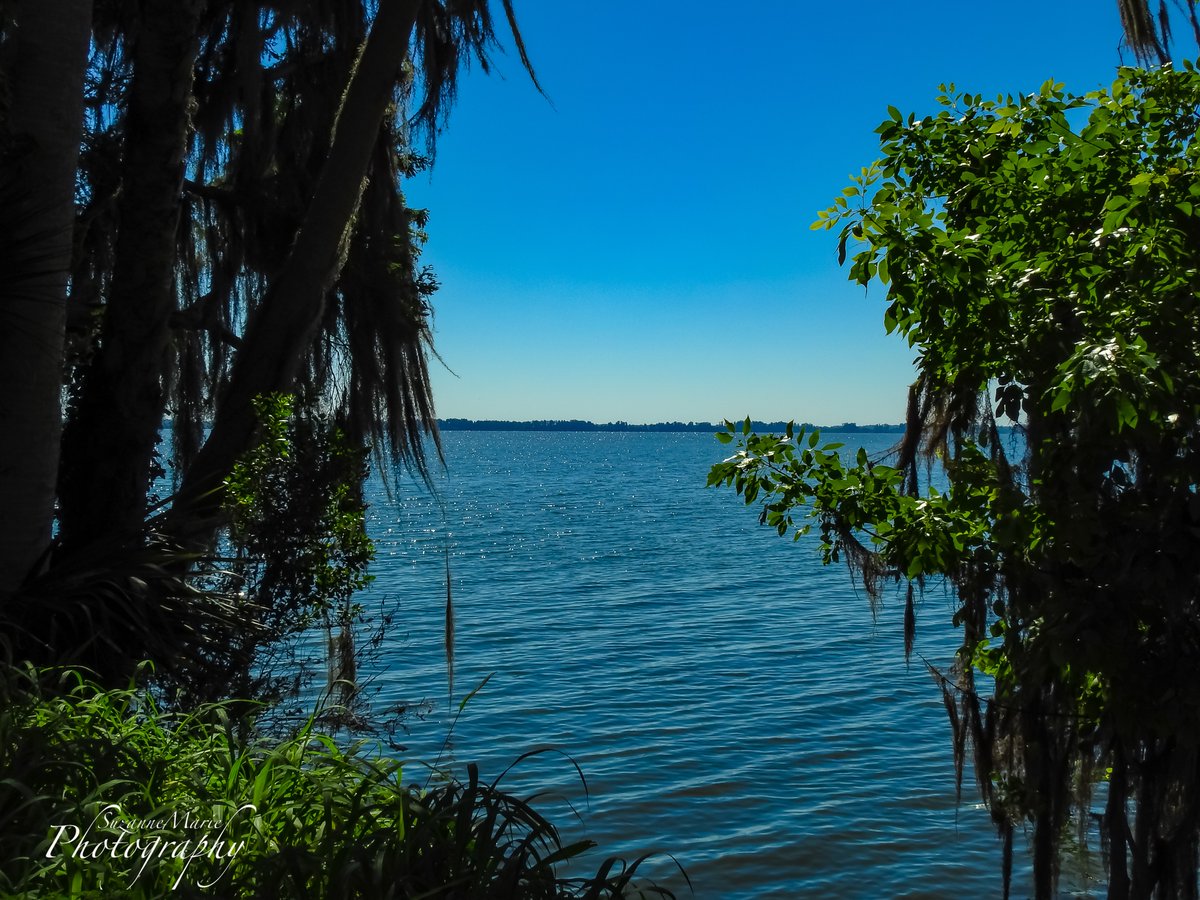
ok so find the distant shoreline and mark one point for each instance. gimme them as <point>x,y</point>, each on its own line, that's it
<point>579,425</point>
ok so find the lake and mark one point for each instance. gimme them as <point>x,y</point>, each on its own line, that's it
<point>730,700</point>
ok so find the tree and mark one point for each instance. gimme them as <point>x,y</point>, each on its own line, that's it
<point>239,231</point>
<point>41,112</point>
<point>1040,255</point>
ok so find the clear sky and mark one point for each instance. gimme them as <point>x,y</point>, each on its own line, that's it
<point>637,247</point>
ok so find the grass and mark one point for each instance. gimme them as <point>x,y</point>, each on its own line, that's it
<point>104,793</point>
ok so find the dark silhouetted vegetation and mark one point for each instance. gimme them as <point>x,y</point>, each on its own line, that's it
<point>201,220</point>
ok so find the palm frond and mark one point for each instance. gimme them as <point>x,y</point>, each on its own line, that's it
<point>119,602</point>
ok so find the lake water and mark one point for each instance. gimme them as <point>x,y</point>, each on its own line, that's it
<point>730,701</point>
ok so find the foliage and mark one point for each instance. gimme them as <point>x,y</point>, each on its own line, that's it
<point>239,626</point>
<point>298,817</point>
<point>298,496</point>
<point>239,230</point>
<point>1040,254</point>
<point>298,529</point>
<point>261,97</point>
<point>239,233</point>
<point>150,594</point>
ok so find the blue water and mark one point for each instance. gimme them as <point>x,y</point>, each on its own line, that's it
<point>730,701</point>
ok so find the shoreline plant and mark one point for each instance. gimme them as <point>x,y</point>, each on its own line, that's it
<point>105,793</point>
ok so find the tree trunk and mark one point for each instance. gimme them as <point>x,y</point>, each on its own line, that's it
<point>281,330</point>
<point>40,145</point>
<point>1116,826</point>
<point>109,446</point>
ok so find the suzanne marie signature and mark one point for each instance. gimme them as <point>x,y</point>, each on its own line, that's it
<point>111,835</point>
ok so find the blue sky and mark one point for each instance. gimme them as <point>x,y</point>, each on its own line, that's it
<point>637,247</point>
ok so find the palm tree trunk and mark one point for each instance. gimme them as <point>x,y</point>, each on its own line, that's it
<point>109,445</point>
<point>281,330</point>
<point>40,144</point>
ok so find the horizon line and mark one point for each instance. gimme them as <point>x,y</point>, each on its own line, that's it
<point>455,423</point>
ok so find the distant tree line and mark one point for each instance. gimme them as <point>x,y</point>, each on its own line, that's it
<point>580,425</point>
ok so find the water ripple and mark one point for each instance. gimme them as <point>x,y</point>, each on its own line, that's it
<point>729,700</point>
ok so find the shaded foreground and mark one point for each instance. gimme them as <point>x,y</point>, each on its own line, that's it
<point>101,792</point>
